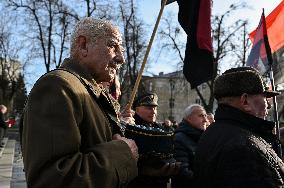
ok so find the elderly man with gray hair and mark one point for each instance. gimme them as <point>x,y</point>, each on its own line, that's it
<point>71,134</point>
<point>186,138</point>
<point>236,151</point>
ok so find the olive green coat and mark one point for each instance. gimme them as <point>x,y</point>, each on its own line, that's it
<point>67,138</point>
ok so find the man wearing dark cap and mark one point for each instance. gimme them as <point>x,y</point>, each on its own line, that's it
<point>145,107</point>
<point>236,151</point>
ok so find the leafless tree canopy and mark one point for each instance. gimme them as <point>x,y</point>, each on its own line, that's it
<point>10,67</point>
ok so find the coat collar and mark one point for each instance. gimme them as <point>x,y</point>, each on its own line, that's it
<point>189,130</point>
<point>98,90</point>
<point>244,120</point>
<point>85,76</point>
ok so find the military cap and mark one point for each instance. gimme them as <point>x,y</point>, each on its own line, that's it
<point>146,99</point>
<point>237,81</point>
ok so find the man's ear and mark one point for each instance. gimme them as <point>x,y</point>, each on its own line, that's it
<point>244,102</point>
<point>82,45</point>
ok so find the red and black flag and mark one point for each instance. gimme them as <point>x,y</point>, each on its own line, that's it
<point>195,18</point>
<point>260,55</point>
<point>275,27</point>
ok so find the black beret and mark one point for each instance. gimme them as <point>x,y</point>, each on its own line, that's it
<point>146,99</point>
<point>237,81</point>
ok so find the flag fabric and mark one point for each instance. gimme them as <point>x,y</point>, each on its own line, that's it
<point>275,27</point>
<point>260,55</point>
<point>195,18</point>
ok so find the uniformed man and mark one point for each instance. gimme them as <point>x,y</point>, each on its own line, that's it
<point>145,107</point>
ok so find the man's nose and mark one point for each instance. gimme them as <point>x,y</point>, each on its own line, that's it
<point>119,58</point>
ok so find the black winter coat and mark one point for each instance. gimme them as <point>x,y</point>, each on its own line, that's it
<point>142,181</point>
<point>186,139</point>
<point>235,152</point>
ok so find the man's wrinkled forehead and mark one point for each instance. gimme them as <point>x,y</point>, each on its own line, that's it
<point>113,36</point>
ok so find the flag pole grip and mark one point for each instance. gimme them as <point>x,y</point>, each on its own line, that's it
<point>139,76</point>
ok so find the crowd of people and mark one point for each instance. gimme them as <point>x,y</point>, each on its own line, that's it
<point>72,133</point>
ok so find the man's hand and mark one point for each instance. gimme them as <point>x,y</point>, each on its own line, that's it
<point>132,145</point>
<point>169,169</point>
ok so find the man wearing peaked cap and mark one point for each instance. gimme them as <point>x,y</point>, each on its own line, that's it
<point>146,99</point>
<point>236,151</point>
<point>145,107</point>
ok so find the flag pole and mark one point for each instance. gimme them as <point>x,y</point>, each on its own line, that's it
<point>139,76</point>
<point>275,113</point>
<point>271,76</point>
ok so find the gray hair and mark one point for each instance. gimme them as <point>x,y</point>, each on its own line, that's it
<point>188,111</point>
<point>91,28</point>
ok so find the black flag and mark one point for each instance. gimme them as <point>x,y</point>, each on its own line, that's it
<point>195,18</point>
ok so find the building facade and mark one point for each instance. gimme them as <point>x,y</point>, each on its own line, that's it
<point>174,94</point>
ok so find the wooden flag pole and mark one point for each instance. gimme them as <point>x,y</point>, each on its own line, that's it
<point>139,76</point>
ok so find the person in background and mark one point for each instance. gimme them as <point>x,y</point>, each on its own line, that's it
<point>186,138</point>
<point>210,117</point>
<point>3,125</point>
<point>168,125</point>
<point>71,136</point>
<point>114,88</point>
<point>237,150</point>
<point>175,124</point>
<point>126,114</point>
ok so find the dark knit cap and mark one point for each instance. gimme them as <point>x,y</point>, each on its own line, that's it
<point>146,99</point>
<point>237,81</point>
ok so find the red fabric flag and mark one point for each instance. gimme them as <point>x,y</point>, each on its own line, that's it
<point>195,18</point>
<point>258,57</point>
<point>275,27</point>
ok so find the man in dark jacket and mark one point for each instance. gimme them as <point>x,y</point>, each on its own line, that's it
<point>186,137</point>
<point>236,150</point>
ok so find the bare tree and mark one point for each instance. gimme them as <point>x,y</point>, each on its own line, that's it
<point>171,35</point>
<point>133,32</point>
<point>10,67</point>
<point>48,22</point>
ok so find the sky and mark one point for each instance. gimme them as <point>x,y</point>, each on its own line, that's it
<point>165,62</point>
<point>150,8</point>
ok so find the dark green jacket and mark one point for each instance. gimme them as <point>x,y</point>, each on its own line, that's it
<point>67,138</point>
